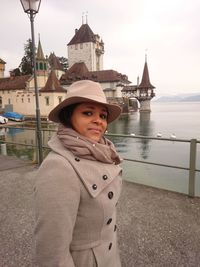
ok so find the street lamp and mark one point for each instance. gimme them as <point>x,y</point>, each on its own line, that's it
<point>31,7</point>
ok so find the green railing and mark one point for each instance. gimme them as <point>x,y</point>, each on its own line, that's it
<point>192,159</point>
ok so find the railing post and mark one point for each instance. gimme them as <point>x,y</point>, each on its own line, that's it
<point>3,149</point>
<point>192,167</point>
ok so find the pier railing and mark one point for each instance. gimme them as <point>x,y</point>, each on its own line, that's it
<point>192,159</point>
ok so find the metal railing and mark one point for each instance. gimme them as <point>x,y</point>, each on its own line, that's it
<point>192,159</point>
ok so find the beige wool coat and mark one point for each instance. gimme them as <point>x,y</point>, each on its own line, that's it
<point>75,206</point>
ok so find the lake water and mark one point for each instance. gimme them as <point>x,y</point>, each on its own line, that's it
<point>181,119</point>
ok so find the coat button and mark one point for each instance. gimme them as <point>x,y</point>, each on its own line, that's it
<point>109,221</point>
<point>115,228</point>
<point>77,159</point>
<point>110,195</point>
<point>110,246</point>
<point>94,186</point>
<point>105,177</point>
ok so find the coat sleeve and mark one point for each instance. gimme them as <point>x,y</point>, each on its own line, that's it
<point>57,196</point>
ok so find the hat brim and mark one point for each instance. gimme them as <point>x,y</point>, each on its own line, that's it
<point>114,111</point>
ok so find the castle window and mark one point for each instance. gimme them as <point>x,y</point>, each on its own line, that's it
<point>45,66</point>
<point>76,46</point>
<point>59,99</point>
<point>36,66</point>
<point>81,46</point>
<point>22,100</point>
<point>47,100</point>
<point>29,100</point>
<point>41,66</point>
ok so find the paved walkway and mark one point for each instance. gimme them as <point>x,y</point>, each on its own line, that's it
<point>156,227</point>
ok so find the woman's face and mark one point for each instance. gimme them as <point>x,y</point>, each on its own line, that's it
<point>90,120</point>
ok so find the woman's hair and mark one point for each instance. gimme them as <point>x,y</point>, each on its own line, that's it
<point>66,114</point>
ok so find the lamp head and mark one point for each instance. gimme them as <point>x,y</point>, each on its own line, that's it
<point>31,6</point>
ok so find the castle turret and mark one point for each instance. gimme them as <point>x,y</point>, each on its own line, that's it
<point>145,90</point>
<point>41,66</point>
<point>87,47</point>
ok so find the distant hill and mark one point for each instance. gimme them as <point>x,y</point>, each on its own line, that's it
<point>179,98</point>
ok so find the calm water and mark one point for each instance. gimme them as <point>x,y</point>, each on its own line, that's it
<point>181,119</point>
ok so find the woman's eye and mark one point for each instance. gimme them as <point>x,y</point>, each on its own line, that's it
<point>88,113</point>
<point>104,116</point>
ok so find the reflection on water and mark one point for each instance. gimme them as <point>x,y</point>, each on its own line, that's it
<point>136,123</point>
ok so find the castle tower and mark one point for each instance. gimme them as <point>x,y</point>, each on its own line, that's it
<point>2,68</point>
<point>86,47</point>
<point>145,90</point>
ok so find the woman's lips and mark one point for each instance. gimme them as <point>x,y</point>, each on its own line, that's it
<point>95,130</point>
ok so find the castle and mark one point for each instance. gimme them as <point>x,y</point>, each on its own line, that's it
<point>85,59</point>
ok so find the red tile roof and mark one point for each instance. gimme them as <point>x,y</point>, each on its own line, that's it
<point>14,82</point>
<point>52,85</point>
<point>54,62</point>
<point>79,71</point>
<point>83,35</point>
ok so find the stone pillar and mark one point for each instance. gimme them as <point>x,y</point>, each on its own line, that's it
<point>145,106</point>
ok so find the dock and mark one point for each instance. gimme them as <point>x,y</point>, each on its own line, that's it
<point>155,227</point>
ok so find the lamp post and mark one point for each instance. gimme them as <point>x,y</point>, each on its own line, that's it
<point>31,7</point>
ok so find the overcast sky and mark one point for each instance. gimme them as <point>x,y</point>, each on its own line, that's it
<point>167,30</point>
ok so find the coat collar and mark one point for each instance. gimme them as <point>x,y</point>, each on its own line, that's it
<point>95,175</point>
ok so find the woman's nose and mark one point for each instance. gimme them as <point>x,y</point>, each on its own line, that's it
<point>97,119</point>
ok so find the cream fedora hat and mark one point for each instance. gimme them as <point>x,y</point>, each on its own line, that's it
<point>85,91</point>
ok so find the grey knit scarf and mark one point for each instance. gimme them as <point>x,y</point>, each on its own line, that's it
<point>103,151</point>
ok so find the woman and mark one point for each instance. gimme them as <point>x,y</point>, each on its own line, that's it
<point>78,184</point>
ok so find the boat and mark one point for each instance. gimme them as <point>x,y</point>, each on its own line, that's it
<point>3,120</point>
<point>14,116</point>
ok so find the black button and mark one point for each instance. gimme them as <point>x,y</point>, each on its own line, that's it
<point>109,221</point>
<point>115,228</point>
<point>94,186</point>
<point>110,195</point>
<point>77,159</point>
<point>110,246</point>
<point>105,177</point>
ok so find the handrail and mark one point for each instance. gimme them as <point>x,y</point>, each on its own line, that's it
<point>192,162</point>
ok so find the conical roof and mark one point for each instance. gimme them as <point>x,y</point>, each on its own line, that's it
<point>40,54</point>
<point>83,35</point>
<point>145,83</point>
<point>52,85</point>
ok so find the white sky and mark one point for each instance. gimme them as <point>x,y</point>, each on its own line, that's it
<point>167,30</point>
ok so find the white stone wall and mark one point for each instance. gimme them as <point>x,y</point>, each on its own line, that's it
<point>113,85</point>
<point>84,52</point>
<point>53,101</point>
